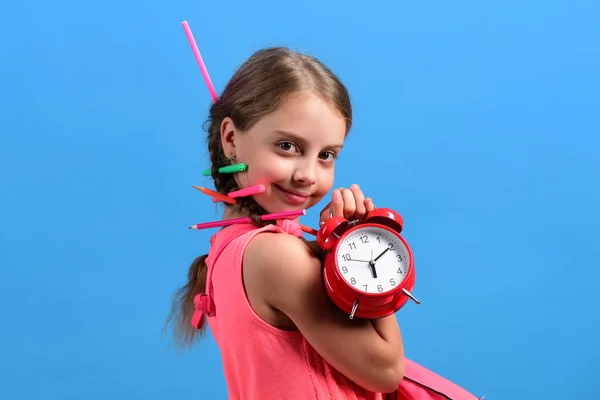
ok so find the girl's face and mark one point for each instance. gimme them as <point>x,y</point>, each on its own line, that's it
<point>292,151</point>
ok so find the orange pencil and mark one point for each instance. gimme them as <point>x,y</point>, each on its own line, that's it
<point>309,230</point>
<point>214,194</point>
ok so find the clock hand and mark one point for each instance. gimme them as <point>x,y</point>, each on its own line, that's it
<point>372,265</point>
<point>373,261</point>
<point>379,256</point>
<point>373,270</point>
<point>354,259</point>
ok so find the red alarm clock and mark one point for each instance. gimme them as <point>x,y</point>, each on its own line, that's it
<point>369,269</point>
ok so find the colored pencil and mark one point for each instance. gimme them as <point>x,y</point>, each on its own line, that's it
<point>308,230</point>
<point>248,191</point>
<point>264,217</point>
<point>214,194</point>
<point>190,37</point>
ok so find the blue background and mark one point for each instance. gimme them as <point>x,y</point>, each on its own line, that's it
<point>476,120</point>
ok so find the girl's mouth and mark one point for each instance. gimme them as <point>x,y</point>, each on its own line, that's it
<point>293,197</point>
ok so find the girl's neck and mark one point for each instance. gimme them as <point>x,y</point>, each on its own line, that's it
<point>230,213</point>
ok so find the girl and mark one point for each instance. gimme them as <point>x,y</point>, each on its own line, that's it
<point>286,116</point>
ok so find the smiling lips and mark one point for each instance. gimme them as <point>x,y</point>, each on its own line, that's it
<point>292,196</point>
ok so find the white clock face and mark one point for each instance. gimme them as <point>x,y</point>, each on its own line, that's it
<point>373,260</point>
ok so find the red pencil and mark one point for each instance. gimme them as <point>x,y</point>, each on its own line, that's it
<point>214,194</point>
<point>308,230</point>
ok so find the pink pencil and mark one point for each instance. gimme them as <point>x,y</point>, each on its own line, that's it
<point>248,191</point>
<point>264,217</point>
<point>190,36</point>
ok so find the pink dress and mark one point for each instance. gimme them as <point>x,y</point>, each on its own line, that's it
<point>262,362</point>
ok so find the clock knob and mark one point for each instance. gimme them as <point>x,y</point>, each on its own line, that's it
<point>387,217</point>
<point>330,232</point>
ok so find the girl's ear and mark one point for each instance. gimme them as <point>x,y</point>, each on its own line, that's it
<point>228,137</point>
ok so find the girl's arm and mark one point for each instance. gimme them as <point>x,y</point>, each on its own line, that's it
<point>289,278</point>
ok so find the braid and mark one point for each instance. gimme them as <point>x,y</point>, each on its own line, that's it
<point>225,183</point>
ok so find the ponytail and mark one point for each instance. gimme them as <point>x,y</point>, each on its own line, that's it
<point>183,304</point>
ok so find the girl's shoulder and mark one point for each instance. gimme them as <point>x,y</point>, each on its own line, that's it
<point>270,251</point>
<point>284,266</point>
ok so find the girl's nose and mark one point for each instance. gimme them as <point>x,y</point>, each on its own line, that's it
<point>305,173</point>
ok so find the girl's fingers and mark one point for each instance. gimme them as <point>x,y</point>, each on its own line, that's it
<point>325,213</point>
<point>337,203</point>
<point>359,200</point>
<point>369,206</point>
<point>349,203</point>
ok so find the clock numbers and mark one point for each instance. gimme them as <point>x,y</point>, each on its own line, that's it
<point>373,260</point>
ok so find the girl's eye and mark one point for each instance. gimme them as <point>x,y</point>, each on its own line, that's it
<point>286,146</point>
<point>331,154</point>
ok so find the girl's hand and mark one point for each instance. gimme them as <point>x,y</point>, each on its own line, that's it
<point>348,203</point>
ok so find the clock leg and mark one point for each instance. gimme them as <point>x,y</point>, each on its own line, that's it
<point>354,307</point>
<point>409,294</point>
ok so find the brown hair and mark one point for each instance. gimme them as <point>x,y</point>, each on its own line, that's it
<point>255,90</point>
